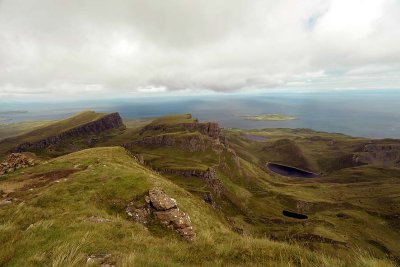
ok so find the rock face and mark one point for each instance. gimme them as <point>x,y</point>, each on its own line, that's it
<point>164,209</point>
<point>209,176</point>
<point>210,129</point>
<point>14,162</point>
<point>190,142</point>
<point>198,136</point>
<point>110,121</point>
<point>385,154</point>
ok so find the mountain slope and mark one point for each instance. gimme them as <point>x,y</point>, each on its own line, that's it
<point>230,174</point>
<point>71,207</point>
<point>81,124</point>
<point>224,172</point>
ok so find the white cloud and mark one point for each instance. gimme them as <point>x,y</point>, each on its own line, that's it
<point>99,47</point>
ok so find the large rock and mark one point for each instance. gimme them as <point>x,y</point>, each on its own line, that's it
<point>160,201</point>
<point>164,209</point>
<point>15,161</point>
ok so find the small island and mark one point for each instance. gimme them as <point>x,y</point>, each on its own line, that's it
<point>269,117</point>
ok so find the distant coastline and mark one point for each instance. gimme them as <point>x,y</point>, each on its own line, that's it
<point>13,112</point>
<point>269,117</point>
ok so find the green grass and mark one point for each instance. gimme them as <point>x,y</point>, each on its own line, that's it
<point>50,129</point>
<point>136,123</point>
<point>350,208</point>
<point>14,129</point>
<point>173,119</point>
<point>368,194</point>
<point>48,226</point>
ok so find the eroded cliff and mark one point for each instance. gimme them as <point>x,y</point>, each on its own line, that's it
<point>107,122</point>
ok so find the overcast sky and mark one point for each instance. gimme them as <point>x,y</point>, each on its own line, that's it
<point>60,48</point>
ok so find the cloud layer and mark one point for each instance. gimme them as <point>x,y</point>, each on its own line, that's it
<point>99,47</point>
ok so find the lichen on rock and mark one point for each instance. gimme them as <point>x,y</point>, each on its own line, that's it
<point>164,209</point>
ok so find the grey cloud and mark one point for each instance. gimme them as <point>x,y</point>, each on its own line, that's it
<point>108,47</point>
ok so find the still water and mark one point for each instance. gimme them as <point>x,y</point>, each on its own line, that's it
<point>358,113</point>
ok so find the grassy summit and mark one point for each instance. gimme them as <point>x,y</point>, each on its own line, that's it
<point>173,119</point>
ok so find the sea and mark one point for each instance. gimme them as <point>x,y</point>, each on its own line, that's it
<point>363,113</point>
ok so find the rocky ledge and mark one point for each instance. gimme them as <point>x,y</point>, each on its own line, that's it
<point>162,208</point>
<point>385,154</point>
<point>209,176</point>
<point>210,129</point>
<point>107,122</point>
<point>14,162</point>
<point>192,143</point>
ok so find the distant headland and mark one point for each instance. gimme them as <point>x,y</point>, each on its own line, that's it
<point>269,117</point>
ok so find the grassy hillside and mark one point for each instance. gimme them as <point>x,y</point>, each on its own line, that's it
<point>14,129</point>
<point>303,148</point>
<point>351,209</point>
<point>49,222</point>
<point>254,198</point>
<point>51,129</point>
<point>172,119</point>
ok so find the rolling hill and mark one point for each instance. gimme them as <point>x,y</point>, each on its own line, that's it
<point>69,207</point>
<point>80,125</point>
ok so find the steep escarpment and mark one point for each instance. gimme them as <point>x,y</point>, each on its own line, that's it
<point>104,123</point>
<point>381,154</point>
<point>210,129</point>
<point>184,148</point>
<point>181,132</point>
<point>192,142</point>
<point>209,176</point>
<point>183,123</point>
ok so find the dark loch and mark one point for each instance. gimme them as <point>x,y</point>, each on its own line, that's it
<point>294,215</point>
<point>290,171</point>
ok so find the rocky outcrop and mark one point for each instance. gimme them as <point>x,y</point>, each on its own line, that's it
<point>210,129</point>
<point>192,137</point>
<point>99,259</point>
<point>14,162</point>
<point>162,208</point>
<point>235,158</point>
<point>190,142</point>
<point>209,176</point>
<point>107,122</point>
<point>385,154</point>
